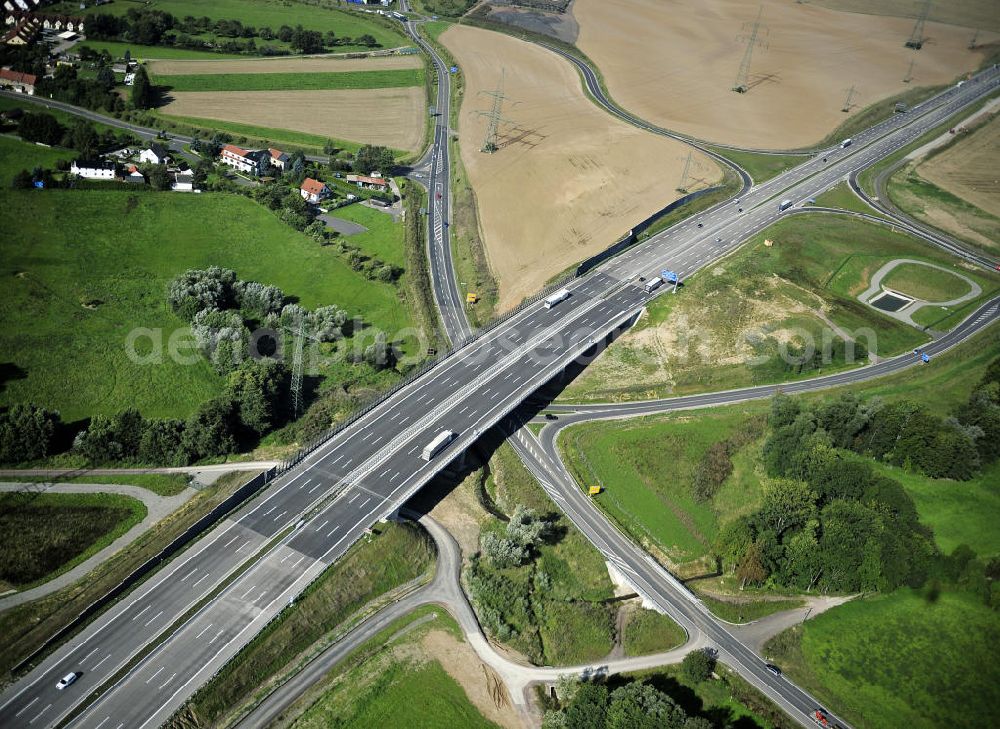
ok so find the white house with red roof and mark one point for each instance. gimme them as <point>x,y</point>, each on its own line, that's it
<point>244,160</point>
<point>278,158</point>
<point>313,190</point>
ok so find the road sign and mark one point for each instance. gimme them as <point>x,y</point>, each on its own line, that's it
<point>669,276</point>
<point>453,69</point>
<point>594,490</point>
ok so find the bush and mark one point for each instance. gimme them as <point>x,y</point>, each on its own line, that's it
<point>196,290</point>
<point>26,432</point>
<point>698,666</point>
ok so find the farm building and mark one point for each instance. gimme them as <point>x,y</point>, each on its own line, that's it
<point>22,82</point>
<point>313,190</point>
<point>155,154</point>
<point>369,183</point>
<point>278,158</point>
<point>94,169</point>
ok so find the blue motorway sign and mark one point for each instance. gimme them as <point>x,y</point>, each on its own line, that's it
<point>453,69</point>
<point>668,276</point>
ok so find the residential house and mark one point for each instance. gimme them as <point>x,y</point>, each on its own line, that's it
<point>133,175</point>
<point>313,190</point>
<point>251,161</point>
<point>278,158</point>
<point>155,154</point>
<point>94,169</point>
<point>369,183</point>
<point>23,33</point>
<point>22,82</point>
<point>183,182</point>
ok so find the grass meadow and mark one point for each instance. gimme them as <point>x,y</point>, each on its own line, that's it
<point>383,238</point>
<point>87,268</point>
<point>143,53</point>
<point>316,81</point>
<point>43,535</point>
<point>929,284</point>
<point>898,660</point>
<point>647,631</point>
<point>16,155</point>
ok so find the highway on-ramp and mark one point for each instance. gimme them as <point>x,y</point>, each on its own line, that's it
<point>311,515</point>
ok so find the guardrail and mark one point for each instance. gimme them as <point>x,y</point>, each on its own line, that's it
<point>235,500</point>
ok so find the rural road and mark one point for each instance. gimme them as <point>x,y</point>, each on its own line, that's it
<point>157,507</point>
<point>208,603</point>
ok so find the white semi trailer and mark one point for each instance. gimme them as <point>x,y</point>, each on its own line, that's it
<point>553,299</point>
<point>438,444</point>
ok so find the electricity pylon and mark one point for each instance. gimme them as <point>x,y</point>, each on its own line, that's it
<point>916,41</point>
<point>755,38</point>
<point>909,74</point>
<point>682,186</point>
<point>849,101</point>
<point>494,116</point>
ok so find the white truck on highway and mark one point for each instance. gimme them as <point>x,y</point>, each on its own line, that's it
<point>653,284</point>
<point>437,445</point>
<point>846,143</point>
<point>553,299</point>
<point>784,205</point>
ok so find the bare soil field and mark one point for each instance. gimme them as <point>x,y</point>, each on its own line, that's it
<point>283,65</point>
<point>389,117</point>
<point>674,62</point>
<point>969,13</point>
<point>970,169</point>
<point>569,179</point>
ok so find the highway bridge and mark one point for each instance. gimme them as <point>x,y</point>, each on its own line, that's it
<point>141,659</point>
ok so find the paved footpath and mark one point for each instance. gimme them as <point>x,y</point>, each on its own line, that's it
<point>157,507</point>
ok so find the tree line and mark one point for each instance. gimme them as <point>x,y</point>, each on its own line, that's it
<point>159,28</point>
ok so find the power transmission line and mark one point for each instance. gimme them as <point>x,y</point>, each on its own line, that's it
<point>916,41</point>
<point>755,38</point>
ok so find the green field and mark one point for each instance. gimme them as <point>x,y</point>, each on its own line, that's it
<point>43,535</point>
<point>273,13</point>
<point>144,53</point>
<point>161,484</point>
<point>16,155</point>
<point>898,660</point>
<point>372,567</point>
<point>293,81</point>
<point>63,117</point>
<point>959,512</point>
<point>651,502</point>
<point>922,282</point>
<point>384,237</point>
<point>647,631</point>
<point>723,330</point>
<point>77,289</point>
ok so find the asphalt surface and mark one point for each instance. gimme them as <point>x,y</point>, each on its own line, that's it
<point>374,466</point>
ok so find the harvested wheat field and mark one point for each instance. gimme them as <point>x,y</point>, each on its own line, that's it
<point>389,117</point>
<point>970,13</point>
<point>284,65</point>
<point>569,179</point>
<point>674,62</point>
<point>970,169</point>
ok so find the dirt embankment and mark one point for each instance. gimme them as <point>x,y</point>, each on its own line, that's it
<point>674,62</point>
<point>568,179</point>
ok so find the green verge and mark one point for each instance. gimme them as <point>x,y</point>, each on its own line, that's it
<point>647,631</point>
<point>385,79</point>
<point>556,603</point>
<point>392,681</point>
<point>44,535</point>
<point>841,196</point>
<point>28,626</point>
<point>877,112</point>
<point>897,660</point>
<point>761,167</point>
<point>746,611</point>
<point>418,278</point>
<point>398,554</point>
<point>79,289</point>
<point>161,484</point>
